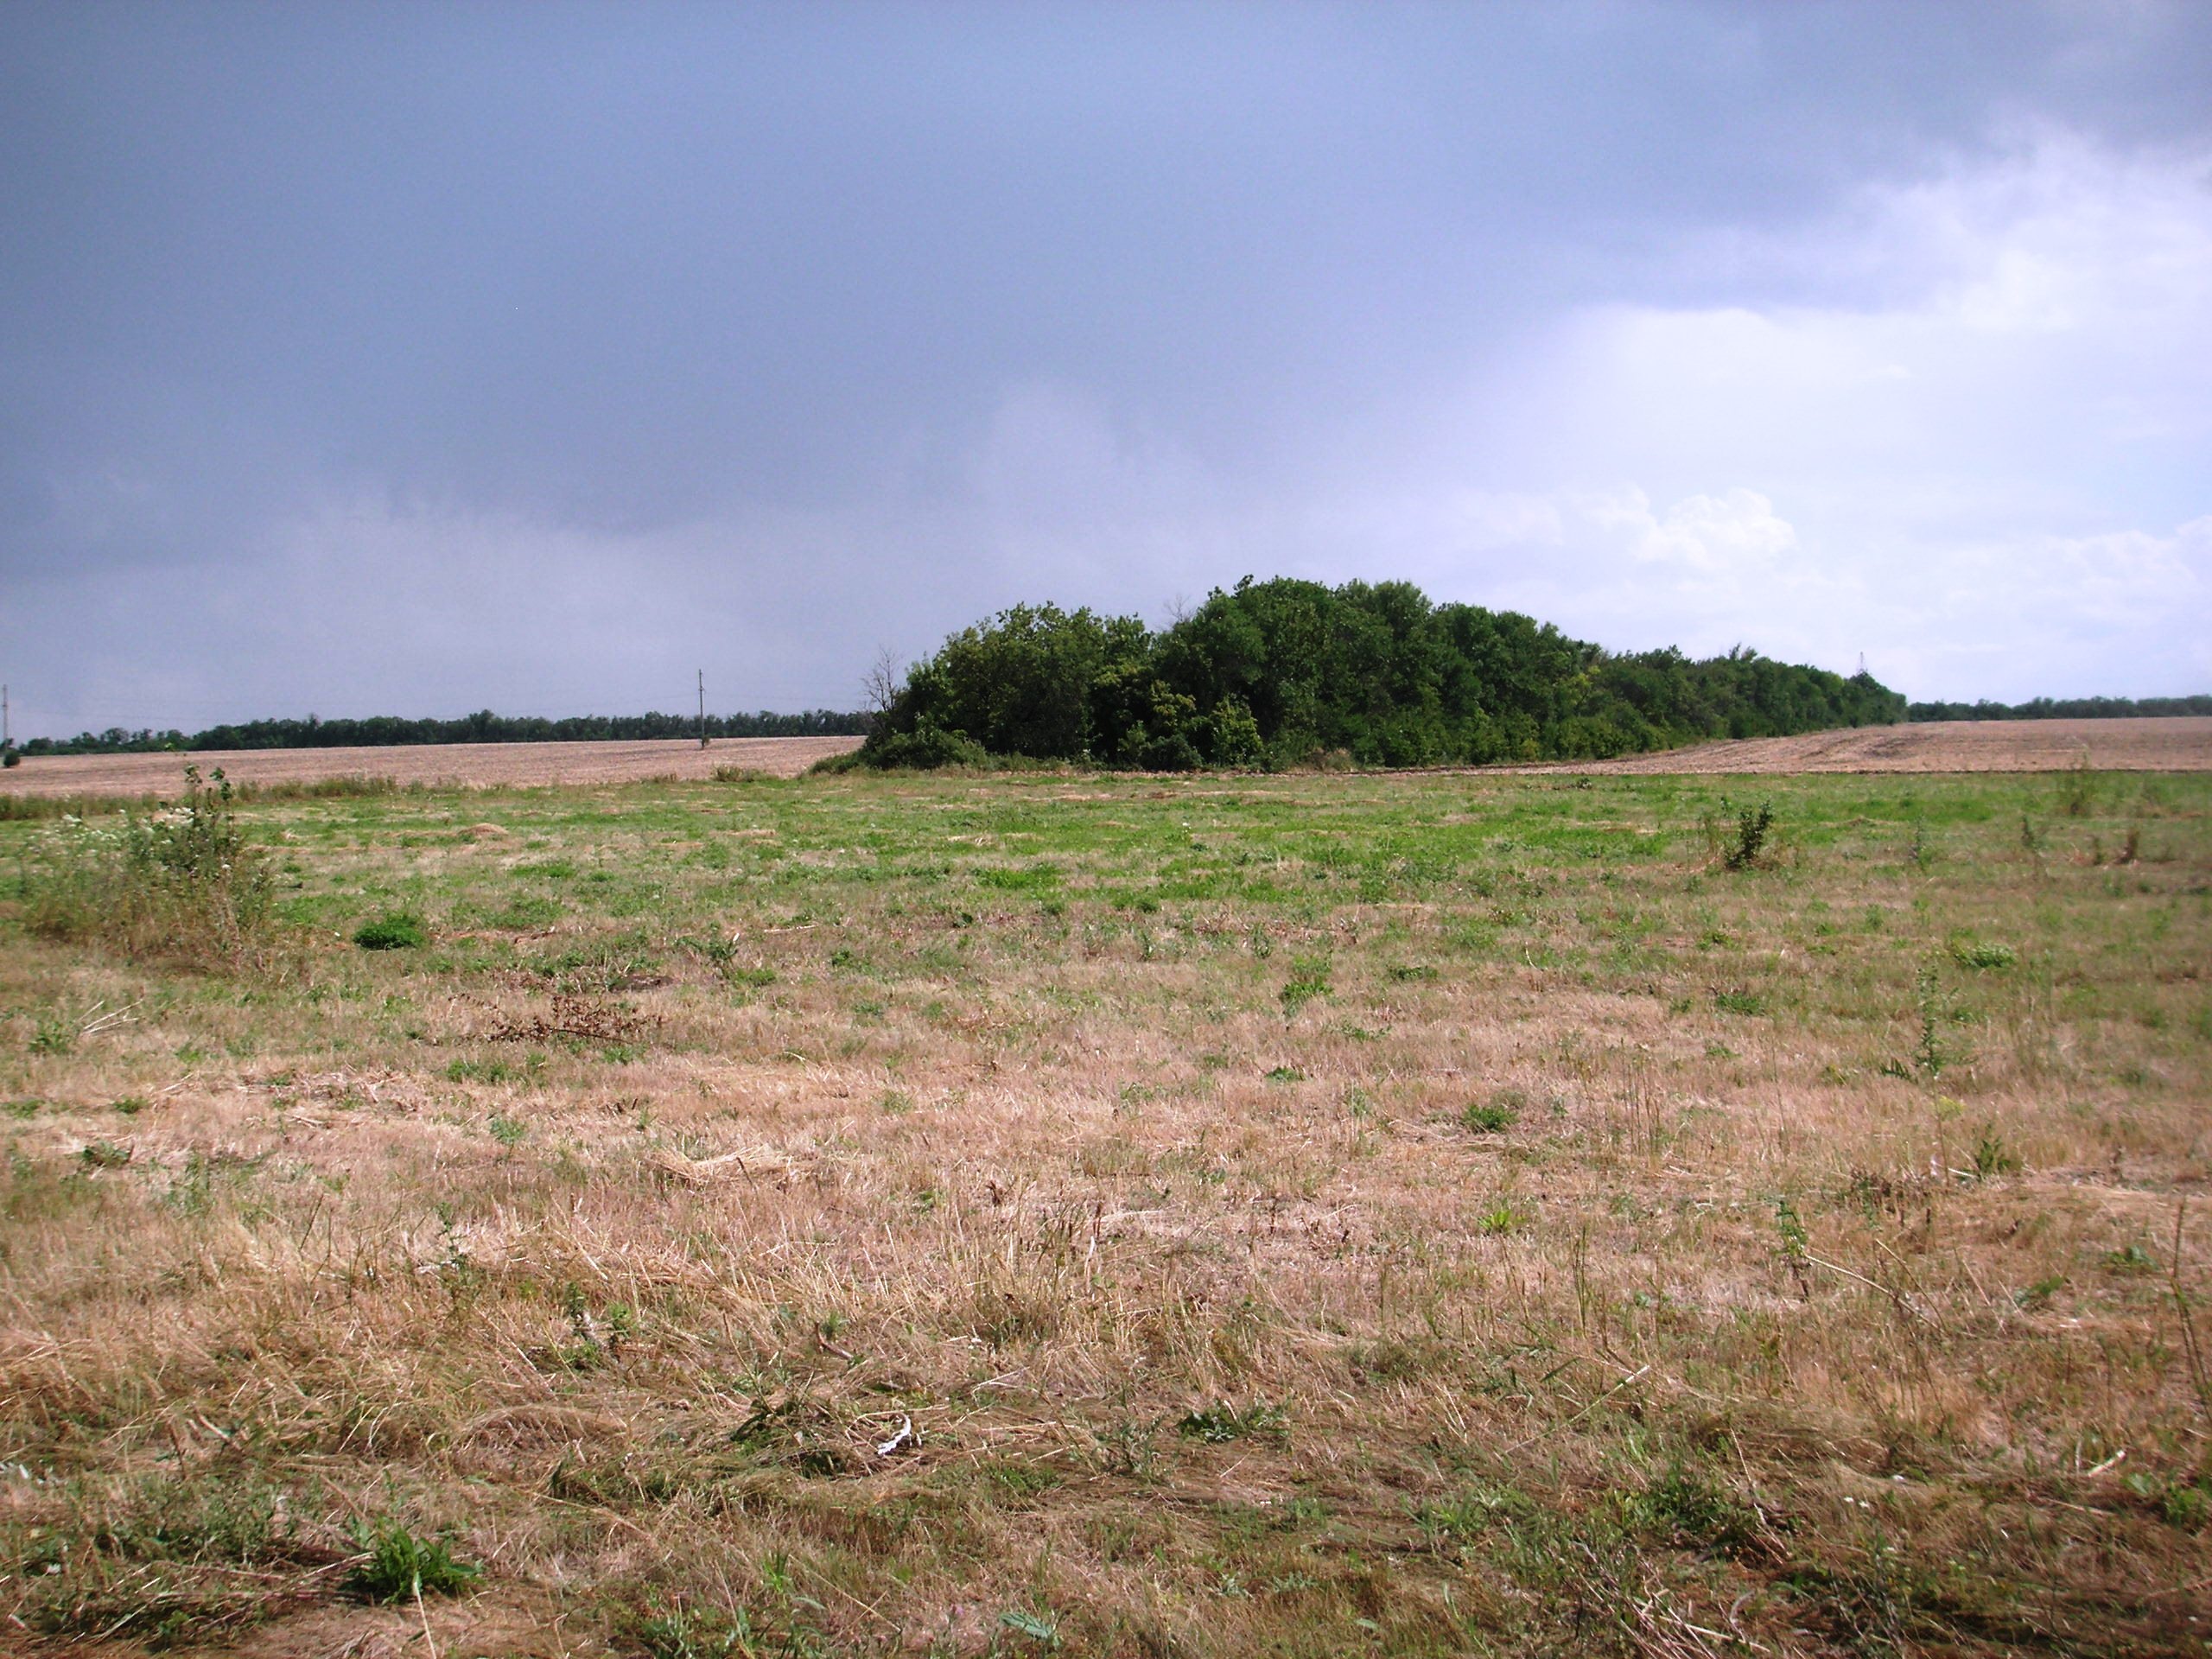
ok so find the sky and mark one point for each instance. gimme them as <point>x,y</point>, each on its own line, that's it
<point>418,359</point>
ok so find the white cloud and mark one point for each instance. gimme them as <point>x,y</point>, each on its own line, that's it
<point>1967,454</point>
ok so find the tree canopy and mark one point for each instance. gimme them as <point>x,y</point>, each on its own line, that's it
<point>1281,672</point>
<point>483,726</point>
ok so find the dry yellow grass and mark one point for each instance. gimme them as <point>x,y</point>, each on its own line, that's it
<point>1301,1217</point>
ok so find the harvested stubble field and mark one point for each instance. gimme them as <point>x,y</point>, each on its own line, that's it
<point>1302,1216</point>
<point>511,765</point>
<point>2179,743</point>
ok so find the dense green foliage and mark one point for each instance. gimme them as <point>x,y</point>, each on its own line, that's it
<point>483,726</point>
<point>1283,672</point>
<point>2063,709</point>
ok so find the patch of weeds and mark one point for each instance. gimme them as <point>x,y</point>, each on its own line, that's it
<point>1309,979</point>
<point>130,1105</point>
<point>2037,1296</point>
<point>399,1565</point>
<point>2077,789</point>
<point>1500,1219</point>
<point>2184,1506</point>
<point>1021,1482</point>
<point>688,1633</point>
<point>1033,879</point>
<point>1286,1074</point>
<point>1458,1522</point>
<point>1992,1157</point>
<point>236,1522</point>
<point>54,1035</point>
<point>182,881</point>
<point>1739,1001</point>
<point>1220,1423</point>
<point>1981,956</point>
<point>1683,1507</point>
<point>2131,1258</point>
<point>399,929</point>
<point>1490,1116</point>
<point>796,1431</point>
<point>1041,1628</point>
<point>525,912</point>
<point>1406,972</point>
<point>507,1131</point>
<point>481,1072</point>
<point>104,1154</point>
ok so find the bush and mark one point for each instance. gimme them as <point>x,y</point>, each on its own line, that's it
<point>179,881</point>
<point>1752,826</point>
<point>924,749</point>
<point>397,929</point>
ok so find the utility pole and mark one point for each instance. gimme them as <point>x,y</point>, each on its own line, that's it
<point>7,730</point>
<point>703,707</point>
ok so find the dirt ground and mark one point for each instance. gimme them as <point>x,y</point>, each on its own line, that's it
<point>477,764</point>
<point>2182,743</point>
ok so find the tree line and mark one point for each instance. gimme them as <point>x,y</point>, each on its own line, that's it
<point>483,726</point>
<point>2063,709</point>
<point>1287,672</point>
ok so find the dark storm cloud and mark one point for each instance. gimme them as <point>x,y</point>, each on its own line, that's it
<point>845,323</point>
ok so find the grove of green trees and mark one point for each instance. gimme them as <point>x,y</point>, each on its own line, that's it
<point>1285,672</point>
<point>2063,709</point>
<point>483,726</point>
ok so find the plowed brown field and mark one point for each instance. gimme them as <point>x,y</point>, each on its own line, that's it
<point>2173,744</point>
<point>478,763</point>
<point>2179,744</point>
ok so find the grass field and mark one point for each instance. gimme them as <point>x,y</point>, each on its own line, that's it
<point>1302,1216</point>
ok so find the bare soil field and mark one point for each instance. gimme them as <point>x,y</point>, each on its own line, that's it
<point>2182,743</point>
<point>476,765</point>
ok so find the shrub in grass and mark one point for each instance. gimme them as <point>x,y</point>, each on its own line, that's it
<point>397,929</point>
<point>1753,825</point>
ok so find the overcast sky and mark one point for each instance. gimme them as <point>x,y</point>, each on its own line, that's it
<point>364,358</point>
